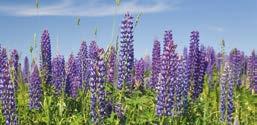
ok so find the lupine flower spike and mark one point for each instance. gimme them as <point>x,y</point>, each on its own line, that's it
<point>35,89</point>
<point>7,92</point>
<point>46,57</point>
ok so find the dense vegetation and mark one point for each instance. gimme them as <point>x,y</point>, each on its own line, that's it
<point>110,86</point>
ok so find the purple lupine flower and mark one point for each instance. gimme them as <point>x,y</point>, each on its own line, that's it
<point>26,70</point>
<point>244,67</point>
<point>171,84</point>
<point>79,73</point>
<point>226,94</point>
<point>119,111</point>
<point>15,59</point>
<point>198,89</point>
<point>68,72</point>
<point>180,85</point>
<point>93,53</point>
<point>230,108</point>
<point>139,71</point>
<point>73,76</point>
<point>126,54</point>
<point>83,58</point>
<point>58,73</point>
<point>186,86</point>
<point>160,106</point>
<point>35,89</point>
<point>156,63</point>
<point>223,94</point>
<point>210,56</point>
<point>194,60</point>
<point>111,63</point>
<point>101,75</point>
<point>167,37</point>
<point>251,67</point>
<point>130,41</point>
<point>244,63</point>
<point>15,64</point>
<point>235,59</point>
<point>166,85</point>
<point>46,57</point>
<point>7,90</point>
<point>254,75</point>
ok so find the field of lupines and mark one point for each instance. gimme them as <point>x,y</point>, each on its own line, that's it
<point>110,86</point>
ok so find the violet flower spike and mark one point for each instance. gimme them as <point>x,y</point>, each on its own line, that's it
<point>15,64</point>
<point>223,92</point>
<point>111,63</point>
<point>101,80</point>
<point>83,58</point>
<point>58,73</point>
<point>139,72</point>
<point>35,89</point>
<point>93,53</point>
<point>126,53</point>
<point>156,63</point>
<point>46,57</point>
<point>194,60</point>
<point>7,92</point>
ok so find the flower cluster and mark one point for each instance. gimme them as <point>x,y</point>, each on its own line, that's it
<point>7,93</point>
<point>252,71</point>
<point>210,56</point>
<point>58,73</point>
<point>35,89</point>
<point>101,73</point>
<point>198,89</point>
<point>194,60</point>
<point>111,63</point>
<point>73,82</point>
<point>166,87</point>
<point>156,61</point>
<point>226,94</point>
<point>15,64</point>
<point>126,52</point>
<point>181,85</point>
<point>223,88</point>
<point>235,62</point>
<point>139,72</point>
<point>97,78</point>
<point>46,57</point>
<point>83,58</point>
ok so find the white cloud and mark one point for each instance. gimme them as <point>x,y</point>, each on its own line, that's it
<point>92,8</point>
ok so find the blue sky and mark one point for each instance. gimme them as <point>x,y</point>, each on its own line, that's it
<point>235,21</point>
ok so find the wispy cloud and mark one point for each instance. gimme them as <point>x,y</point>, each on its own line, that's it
<point>92,8</point>
<point>216,28</point>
